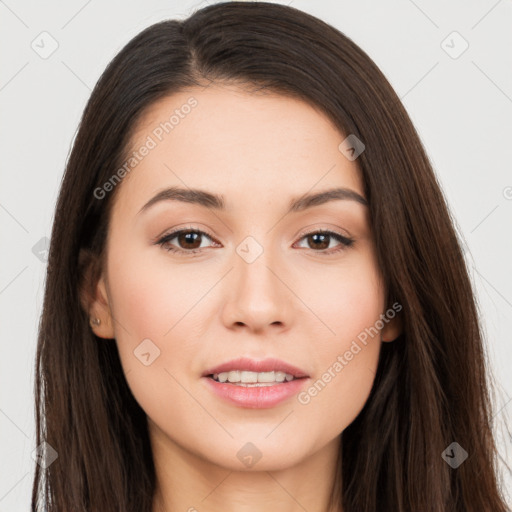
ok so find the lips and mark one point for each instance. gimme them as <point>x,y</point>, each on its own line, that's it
<point>252,365</point>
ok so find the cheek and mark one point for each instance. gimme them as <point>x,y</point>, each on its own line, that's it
<point>159,310</point>
<point>337,395</point>
<point>344,300</point>
<point>152,316</point>
<point>347,352</point>
<point>152,297</point>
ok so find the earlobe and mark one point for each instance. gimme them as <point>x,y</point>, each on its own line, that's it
<point>100,316</point>
<point>392,328</point>
<point>94,296</point>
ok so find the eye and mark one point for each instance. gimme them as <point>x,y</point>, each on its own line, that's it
<point>190,241</point>
<point>322,240</point>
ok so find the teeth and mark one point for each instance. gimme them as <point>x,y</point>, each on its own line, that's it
<point>246,377</point>
<point>223,377</point>
<point>266,377</point>
<point>280,376</point>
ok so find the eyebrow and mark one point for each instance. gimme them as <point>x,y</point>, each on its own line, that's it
<point>216,202</point>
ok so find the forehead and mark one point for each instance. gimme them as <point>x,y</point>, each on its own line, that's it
<point>233,141</point>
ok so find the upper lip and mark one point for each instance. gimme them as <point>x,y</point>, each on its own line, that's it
<point>252,365</point>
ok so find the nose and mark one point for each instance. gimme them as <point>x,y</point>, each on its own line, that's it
<point>258,296</point>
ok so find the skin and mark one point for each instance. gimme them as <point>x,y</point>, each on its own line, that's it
<point>293,302</point>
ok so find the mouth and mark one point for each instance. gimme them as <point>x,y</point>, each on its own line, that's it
<point>248,379</point>
<point>255,384</point>
<point>251,371</point>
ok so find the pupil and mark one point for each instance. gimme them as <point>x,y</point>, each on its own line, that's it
<point>190,237</point>
<point>325,244</point>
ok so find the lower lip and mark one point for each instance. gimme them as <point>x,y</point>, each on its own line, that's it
<point>256,397</point>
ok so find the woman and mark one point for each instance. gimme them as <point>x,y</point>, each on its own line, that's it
<point>246,215</point>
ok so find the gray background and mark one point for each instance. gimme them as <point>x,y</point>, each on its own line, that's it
<point>460,104</point>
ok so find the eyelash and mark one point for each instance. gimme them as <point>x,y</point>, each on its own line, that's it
<point>164,241</point>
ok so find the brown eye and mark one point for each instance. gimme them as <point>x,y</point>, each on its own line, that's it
<point>319,241</point>
<point>187,241</point>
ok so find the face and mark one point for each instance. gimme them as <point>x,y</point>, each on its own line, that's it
<point>251,279</point>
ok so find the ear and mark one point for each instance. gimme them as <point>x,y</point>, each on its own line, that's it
<point>94,296</point>
<point>392,328</point>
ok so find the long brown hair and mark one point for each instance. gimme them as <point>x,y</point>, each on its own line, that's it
<point>432,386</point>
